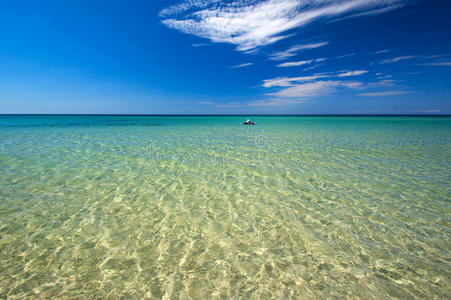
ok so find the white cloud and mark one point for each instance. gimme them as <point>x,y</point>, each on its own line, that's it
<point>384,76</point>
<point>438,64</point>
<point>184,6</point>
<point>292,51</point>
<point>298,89</point>
<point>346,55</point>
<point>427,111</point>
<point>300,63</point>
<point>312,67</point>
<point>253,23</point>
<point>274,102</point>
<point>385,93</point>
<point>206,102</point>
<point>398,59</point>
<point>381,51</point>
<point>382,83</point>
<point>295,63</point>
<point>290,81</point>
<point>242,65</point>
<point>316,88</point>
<point>372,12</point>
<point>352,73</point>
<point>423,60</point>
<point>230,104</point>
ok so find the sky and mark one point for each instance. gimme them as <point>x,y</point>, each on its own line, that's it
<point>225,57</point>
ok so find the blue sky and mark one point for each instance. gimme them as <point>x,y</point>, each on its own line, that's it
<point>225,57</point>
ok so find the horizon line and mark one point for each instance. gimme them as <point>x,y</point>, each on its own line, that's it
<point>199,115</point>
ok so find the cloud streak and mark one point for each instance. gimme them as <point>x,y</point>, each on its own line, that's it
<point>437,64</point>
<point>422,60</point>
<point>242,65</point>
<point>352,73</point>
<point>249,24</point>
<point>314,89</point>
<point>292,51</point>
<point>381,51</point>
<point>300,63</point>
<point>295,63</point>
<point>298,89</point>
<point>274,102</point>
<point>382,83</point>
<point>397,59</point>
<point>384,93</point>
<point>290,81</point>
<point>230,104</point>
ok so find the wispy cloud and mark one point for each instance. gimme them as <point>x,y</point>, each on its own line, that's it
<point>298,89</point>
<point>313,89</point>
<point>199,45</point>
<point>427,111</point>
<point>300,63</point>
<point>384,93</point>
<point>290,81</point>
<point>274,102</point>
<point>423,60</point>
<point>206,102</point>
<point>381,51</point>
<point>292,51</point>
<point>352,73</point>
<point>382,83</point>
<point>242,65</point>
<point>295,90</point>
<point>372,12</point>
<point>295,63</point>
<point>346,55</point>
<point>230,104</point>
<point>383,76</point>
<point>253,23</point>
<point>186,5</point>
<point>437,64</point>
<point>312,67</point>
<point>398,59</point>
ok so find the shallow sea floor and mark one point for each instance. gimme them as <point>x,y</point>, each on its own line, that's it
<point>204,207</point>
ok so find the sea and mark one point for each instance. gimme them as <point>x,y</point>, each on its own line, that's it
<point>204,207</point>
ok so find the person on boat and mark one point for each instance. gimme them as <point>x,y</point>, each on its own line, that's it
<point>249,122</point>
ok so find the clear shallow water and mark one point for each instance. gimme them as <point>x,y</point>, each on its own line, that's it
<point>204,207</point>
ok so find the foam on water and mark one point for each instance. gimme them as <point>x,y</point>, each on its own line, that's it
<point>204,207</point>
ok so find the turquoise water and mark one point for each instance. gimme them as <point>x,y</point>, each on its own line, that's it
<point>204,207</point>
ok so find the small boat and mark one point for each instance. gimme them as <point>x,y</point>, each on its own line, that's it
<point>249,122</point>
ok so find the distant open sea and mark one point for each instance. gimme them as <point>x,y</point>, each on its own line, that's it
<point>201,207</point>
